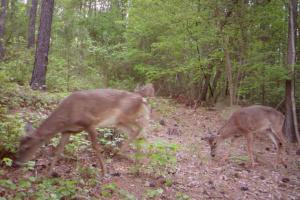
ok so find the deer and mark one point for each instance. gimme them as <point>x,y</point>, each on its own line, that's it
<point>248,122</point>
<point>85,111</point>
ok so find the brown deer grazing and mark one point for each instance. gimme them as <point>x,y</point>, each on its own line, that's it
<point>84,111</point>
<point>247,122</point>
<point>146,90</point>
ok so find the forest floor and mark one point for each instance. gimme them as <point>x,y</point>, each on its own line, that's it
<point>195,175</point>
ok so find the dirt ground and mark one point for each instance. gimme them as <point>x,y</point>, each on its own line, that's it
<point>197,176</point>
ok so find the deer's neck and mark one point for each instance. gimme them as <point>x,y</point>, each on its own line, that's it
<point>49,128</point>
<point>226,131</point>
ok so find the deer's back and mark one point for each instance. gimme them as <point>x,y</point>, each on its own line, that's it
<point>257,117</point>
<point>101,107</point>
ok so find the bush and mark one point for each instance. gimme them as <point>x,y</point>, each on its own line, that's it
<point>11,128</point>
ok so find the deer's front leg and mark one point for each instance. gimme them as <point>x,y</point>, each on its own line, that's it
<point>250,138</point>
<point>93,138</point>
<point>134,130</point>
<point>228,153</point>
<point>59,149</point>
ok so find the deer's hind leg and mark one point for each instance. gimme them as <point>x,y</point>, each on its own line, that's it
<point>93,138</point>
<point>59,149</point>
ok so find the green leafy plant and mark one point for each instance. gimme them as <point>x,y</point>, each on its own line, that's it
<point>29,166</point>
<point>182,196</point>
<point>8,184</point>
<point>55,189</point>
<point>7,162</point>
<point>108,189</point>
<point>154,193</point>
<point>111,139</point>
<point>125,195</point>
<point>157,158</point>
<point>11,129</point>
<point>88,172</point>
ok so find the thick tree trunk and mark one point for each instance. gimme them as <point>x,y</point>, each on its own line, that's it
<point>31,25</point>
<point>291,124</point>
<point>289,128</point>
<point>206,85</point>
<point>2,27</point>
<point>38,79</point>
<point>204,90</point>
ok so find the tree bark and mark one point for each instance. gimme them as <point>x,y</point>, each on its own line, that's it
<point>38,79</point>
<point>215,82</point>
<point>2,27</point>
<point>229,75</point>
<point>31,25</point>
<point>291,124</point>
<point>207,76</point>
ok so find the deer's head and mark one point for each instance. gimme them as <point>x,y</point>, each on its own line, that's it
<point>212,141</point>
<point>28,146</point>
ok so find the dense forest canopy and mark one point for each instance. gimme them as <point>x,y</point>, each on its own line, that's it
<point>184,47</point>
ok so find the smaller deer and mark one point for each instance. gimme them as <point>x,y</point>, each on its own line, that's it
<point>247,122</point>
<point>146,90</point>
<point>84,111</point>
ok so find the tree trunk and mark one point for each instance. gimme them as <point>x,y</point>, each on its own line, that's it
<point>2,27</point>
<point>31,25</point>
<point>215,82</point>
<point>229,75</point>
<point>263,88</point>
<point>288,123</point>
<point>38,79</point>
<point>206,85</point>
<point>291,124</point>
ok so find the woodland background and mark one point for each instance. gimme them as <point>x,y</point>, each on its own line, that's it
<point>184,47</point>
<point>198,52</point>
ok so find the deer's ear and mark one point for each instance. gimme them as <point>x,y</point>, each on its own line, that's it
<point>29,129</point>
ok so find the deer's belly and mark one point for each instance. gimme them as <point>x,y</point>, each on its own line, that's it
<point>110,120</point>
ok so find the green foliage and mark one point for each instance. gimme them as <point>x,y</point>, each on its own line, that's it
<point>177,45</point>
<point>108,189</point>
<point>7,162</point>
<point>111,139</point>
<point>55,189</point>
<point>8,184</point>
<point>154,193</point>
<point>125,195</point>
<point>11,128</point>
<point>182,196</point>
<point>156,158</point>
<point>88,172</point>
